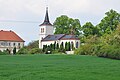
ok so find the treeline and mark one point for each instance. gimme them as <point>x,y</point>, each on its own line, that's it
<point>102,40</point>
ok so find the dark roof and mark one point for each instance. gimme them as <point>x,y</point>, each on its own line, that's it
<point>10,36</point>
<point>46,20</point>
<point>66,37</point>
<point>53,37</point>
<point>60,37</point>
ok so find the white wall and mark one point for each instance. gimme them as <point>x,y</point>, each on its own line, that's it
<point>47,43</point>
<point>10,45</point>
<point>60,41</point>
<point>74,42</point>
<point>48,30</point>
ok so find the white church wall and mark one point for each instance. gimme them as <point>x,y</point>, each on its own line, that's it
<point>47,43</point>
<point>74,42</point>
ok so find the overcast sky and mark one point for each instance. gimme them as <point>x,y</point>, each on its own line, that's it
<point>33,11</point>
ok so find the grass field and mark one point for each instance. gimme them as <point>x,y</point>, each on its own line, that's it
<point>58,67</point>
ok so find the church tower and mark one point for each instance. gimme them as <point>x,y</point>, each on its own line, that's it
<point>46,28</point>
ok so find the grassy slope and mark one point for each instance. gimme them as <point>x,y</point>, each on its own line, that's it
<point>58,67</point>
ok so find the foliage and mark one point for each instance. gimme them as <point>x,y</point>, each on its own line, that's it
<point>66,25</point>
<point>109,23</point>
<point>33,44</point>
<point>36,51</point>
<point>89,29</point>
<point>14,50</point>
<point>105,46</point>
<point>5,52</point>
<point>23,50</point>
<point>57,46</point>
<point>61,49</point>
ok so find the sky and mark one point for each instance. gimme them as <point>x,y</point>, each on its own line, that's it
<point>25,16</point>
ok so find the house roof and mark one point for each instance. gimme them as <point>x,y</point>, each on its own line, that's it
<point>46,20</point>
<point>60,37</point>
<point>10,36</point>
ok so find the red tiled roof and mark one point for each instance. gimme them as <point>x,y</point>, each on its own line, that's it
<point>10,36</point>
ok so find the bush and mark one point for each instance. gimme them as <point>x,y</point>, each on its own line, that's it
<point>36,51</point>
<point>109,51</point>
<point>5,52</point>
<point>23,50</point>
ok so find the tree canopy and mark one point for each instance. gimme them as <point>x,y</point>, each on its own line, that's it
<point>109,22</point>
<point>66,25</point>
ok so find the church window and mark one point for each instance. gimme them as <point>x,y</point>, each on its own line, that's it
<point>43,30</point>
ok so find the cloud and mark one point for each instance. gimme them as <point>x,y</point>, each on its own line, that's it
<point>34,10</point>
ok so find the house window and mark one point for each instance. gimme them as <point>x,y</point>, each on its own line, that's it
<point>19,45</point>
<point>9,44</point>
<point>4,43</point>
<point>77,44</point>
<point>13,44</point>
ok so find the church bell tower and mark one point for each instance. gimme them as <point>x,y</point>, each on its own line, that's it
<point>46,28</point>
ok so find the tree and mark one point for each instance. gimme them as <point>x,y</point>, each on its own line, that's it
<point>89,29</point>
<point>44,48</point>
<point>66,46</point>
<point>33,44</point>
<point>57,47</point>
<point>66,25</point>
<point>14,50</point>
<point>69,46</point>
<point>61,49</point>
<point>109,23</point>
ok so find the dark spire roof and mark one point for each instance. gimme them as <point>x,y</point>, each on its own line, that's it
<point>46,21</point>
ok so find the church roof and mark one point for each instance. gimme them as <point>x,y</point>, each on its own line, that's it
<point>53,37</point>
<point>70,37</point>
<point>10,36</point>
<point>46,20</point>
<point>60,37</point>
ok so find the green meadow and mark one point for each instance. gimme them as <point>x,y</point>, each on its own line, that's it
<point>58,67</point>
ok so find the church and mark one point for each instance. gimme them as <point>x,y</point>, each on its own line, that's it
<point>47,36</point>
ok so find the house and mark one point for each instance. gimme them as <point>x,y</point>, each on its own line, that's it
<point>47,37</point>
<point>9,40</point>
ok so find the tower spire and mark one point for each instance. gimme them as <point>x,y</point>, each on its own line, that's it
<point>46,20</point>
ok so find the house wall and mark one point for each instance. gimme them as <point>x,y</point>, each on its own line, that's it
<point>10,45</point>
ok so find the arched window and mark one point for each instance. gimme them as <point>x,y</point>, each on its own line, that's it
<point>77,44</point>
